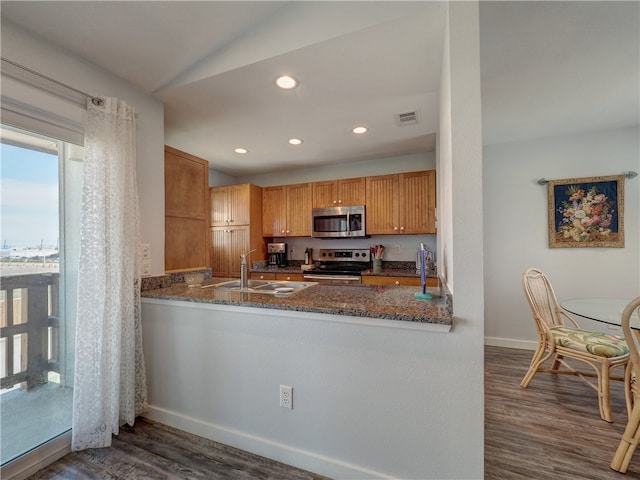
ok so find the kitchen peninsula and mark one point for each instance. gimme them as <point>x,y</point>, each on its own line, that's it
<point>348,352</point>
<point>381,302</point>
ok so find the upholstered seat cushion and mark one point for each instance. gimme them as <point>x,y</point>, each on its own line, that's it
<point>600,344</point>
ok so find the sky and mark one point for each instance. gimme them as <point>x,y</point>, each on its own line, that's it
<point>28,197</point>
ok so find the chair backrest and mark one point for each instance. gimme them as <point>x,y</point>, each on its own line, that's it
<point>542,299</point>
<point>632,336</point>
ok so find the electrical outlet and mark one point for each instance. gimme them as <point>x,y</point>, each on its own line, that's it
<point>286,397</point>
<point>397,248</point>
<point>146,251</point>
<point>146,268</point>
<point>292,250</point>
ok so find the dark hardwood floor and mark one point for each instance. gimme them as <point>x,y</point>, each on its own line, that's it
<point>550,431</point>
<point>152,451</point>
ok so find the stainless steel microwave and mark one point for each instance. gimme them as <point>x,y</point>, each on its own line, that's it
<point>338,222</point>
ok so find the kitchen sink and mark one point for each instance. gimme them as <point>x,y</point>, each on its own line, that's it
<point>263,286</point>
<point>283,287</point>
<point>236,284</point>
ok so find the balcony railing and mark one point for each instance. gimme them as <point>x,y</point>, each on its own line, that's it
<point>29,329</point>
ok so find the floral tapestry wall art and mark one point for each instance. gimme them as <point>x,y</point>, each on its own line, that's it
<point>586,212</point>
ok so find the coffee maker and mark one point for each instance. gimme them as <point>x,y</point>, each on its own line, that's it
<point>277,254</point>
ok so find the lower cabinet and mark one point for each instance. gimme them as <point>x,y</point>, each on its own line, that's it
<point>292,277</point>
<point>400,281</point>
<point>262,276</point>
<point>227,243</point>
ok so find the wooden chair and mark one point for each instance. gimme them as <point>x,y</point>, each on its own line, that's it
<point>631,435</point>
<point>603,352</point>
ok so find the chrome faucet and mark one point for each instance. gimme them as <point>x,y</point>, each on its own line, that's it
<point>244,277</point>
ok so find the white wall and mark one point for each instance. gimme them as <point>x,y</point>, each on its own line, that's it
<point>516,234</point>
<point>35,54</point>
<point>370,400</point>
<point>365,168</point>
<point>460,221</point>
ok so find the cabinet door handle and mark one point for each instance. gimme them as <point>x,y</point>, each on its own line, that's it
<point>395,228</point>
<point>397,282</point>
<point>401,228</point>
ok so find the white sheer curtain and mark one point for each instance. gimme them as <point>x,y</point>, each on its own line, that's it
<point>109,377</point>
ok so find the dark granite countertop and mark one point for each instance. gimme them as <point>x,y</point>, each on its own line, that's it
<point>387,302</point>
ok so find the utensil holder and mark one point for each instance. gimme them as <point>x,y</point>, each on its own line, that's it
<point>377,265</point>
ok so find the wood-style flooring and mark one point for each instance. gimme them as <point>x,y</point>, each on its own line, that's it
<point>550,431</point>
<point>152,451</point>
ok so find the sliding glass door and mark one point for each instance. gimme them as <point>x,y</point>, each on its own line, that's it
<point>39,230</point>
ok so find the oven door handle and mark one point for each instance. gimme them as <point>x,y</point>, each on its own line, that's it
<point>332,277</point>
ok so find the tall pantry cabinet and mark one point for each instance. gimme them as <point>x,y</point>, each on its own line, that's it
<point>186,186</point>
<point>236,227</point>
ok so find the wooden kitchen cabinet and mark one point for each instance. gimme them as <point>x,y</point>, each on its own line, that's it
<point>286,210</point>
<point>228,243</point>
<point>235,204</point>
<point>401,203</point>
<point>292,277</point>
<point>236,227</point>
<point>262,276</point>
<point>400,281</point>
<point>186,186</point>
<point>336,193</point>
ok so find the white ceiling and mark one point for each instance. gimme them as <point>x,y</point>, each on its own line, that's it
<point>548,68</point>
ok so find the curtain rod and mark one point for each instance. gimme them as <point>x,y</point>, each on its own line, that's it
<point>628,175</point>
<point>24,74</point>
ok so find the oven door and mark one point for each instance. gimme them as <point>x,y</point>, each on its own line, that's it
<point>333,279</point>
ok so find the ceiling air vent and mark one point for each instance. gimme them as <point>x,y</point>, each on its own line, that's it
<point>408,118</point>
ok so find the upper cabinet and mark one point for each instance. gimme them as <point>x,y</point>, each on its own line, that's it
<point>401,203</point>
<point>286,210</point>
<point>235,205</point>
<point>186,187</point>
<point>336,193</point>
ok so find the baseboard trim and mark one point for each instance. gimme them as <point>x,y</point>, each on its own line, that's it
<point>29,463</point>
<point>295,457</point>
<point>510,343</point>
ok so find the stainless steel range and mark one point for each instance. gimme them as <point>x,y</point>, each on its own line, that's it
<point>340,266</point>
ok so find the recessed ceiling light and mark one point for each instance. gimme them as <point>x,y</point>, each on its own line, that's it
<point>359,130</point>
<point>295,141</point>
<point>286,82</point>
<point>241,150</point>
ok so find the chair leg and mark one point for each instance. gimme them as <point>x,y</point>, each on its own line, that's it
<point>629,441</point>
<point>538,359</point>
<point>604,395</point>
<point>629,378</point>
